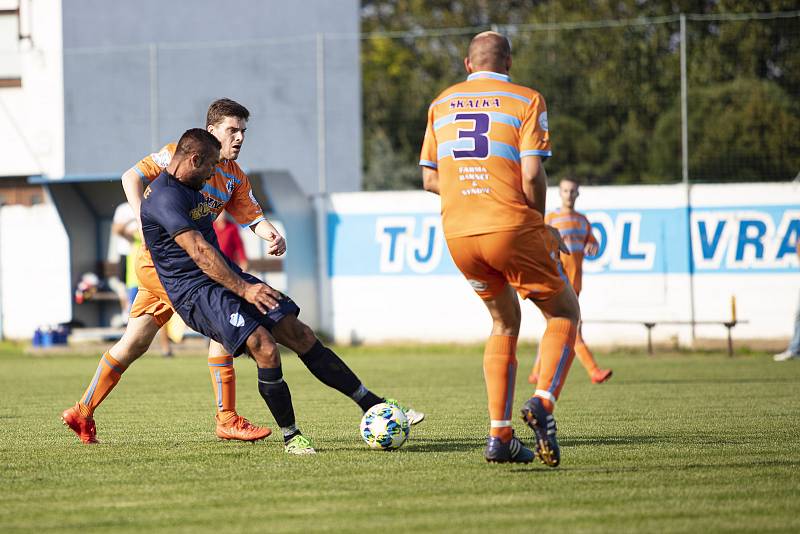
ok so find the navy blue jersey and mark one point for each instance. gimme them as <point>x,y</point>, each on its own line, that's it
<point>170,208</point>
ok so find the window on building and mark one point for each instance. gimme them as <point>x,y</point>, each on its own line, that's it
<point>10,63</point>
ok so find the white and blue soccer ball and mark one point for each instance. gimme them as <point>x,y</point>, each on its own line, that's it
<point>384,426</point>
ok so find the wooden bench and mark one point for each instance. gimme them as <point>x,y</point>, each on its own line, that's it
<point>649,325</point>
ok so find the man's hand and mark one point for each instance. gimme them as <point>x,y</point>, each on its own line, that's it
<point>267,232</point>
<point>262,296</point>
<point>277,244</point>
<point>562,247</point>
<point>590,249</point>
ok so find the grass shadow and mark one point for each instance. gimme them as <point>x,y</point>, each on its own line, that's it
<point>711,381</point>
<point>445,445</point>
<point>760,464</point>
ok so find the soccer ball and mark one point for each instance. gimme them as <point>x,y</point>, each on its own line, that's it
<point>384,426</point>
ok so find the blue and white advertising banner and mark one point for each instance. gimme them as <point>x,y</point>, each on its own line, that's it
<point>657,259</point>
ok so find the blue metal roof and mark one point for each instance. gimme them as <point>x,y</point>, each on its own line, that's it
<point>73,178</point>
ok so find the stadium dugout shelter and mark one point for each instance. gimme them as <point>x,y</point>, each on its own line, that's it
<point>86,204</point>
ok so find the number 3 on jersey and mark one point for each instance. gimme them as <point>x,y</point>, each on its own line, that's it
<point>478,134</point>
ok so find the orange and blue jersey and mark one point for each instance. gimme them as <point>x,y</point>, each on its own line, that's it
<point>229,189</point>
<point>576,231</point>
<point>477,134</point>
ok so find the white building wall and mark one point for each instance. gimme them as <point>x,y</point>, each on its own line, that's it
<point>34,270</point>
<point>32,116</point>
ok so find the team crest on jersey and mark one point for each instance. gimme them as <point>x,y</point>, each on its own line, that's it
<point>162,158</point>
<point>229,185</point>
<point>200,211</point>
<point>543,120</point>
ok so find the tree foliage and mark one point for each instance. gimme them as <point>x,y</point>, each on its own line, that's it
<point>613,90</point>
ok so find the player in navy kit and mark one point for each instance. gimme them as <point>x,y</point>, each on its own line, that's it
<point>214,296</point>
<point>211,294</point>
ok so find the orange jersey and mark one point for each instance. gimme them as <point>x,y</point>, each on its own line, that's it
<point>229,189</point>
<point>576,231</point>
<point>477,133</point>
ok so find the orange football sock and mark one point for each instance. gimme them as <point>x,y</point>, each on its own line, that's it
<point>223,380</point>
<point>105,378</point>
<point>584,354</point>
<point>556,353</point>
<point>500,371</point>
<point>537,367</point>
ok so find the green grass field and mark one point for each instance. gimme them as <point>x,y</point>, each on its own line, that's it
<point>675,442</point>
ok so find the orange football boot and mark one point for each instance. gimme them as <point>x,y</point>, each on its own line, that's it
<point>601,375</point>
<point>82,426</point>
<point>241,429</point>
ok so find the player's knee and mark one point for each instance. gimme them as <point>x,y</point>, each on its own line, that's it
<point>563,305</point>
<point>505,328</point>
<point>573,309</point>
<point>506,323</point>
<point>216,349</point>
<point>305,336</point>
<point>263,349</point>
<point>295,334</point>
<point>137,338</point>
<point>572,313</point>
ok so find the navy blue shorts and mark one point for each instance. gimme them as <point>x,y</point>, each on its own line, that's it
<point>218,313</point>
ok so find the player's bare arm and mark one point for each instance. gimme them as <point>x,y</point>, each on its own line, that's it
<point>592,246</point>
<point>134,192</point>
<point>534,187</point>
<point>126,231</point>
<point>430,180</point>
<point>534,183</point>
<point>266,231</point>
<point>213,265</point>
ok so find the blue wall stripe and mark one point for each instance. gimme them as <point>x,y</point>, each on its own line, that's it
<point>356,250</point>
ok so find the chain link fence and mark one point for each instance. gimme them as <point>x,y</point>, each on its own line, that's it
<point>622,105</point>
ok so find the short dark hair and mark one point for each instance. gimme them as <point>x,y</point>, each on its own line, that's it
<point>197,141</point>
<point>570,178</point>
<point>225,107</point>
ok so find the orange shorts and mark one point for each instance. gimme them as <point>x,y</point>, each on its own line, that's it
<point>152,298</point>
<point>527,258</point>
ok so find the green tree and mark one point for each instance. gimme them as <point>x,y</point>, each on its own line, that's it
<point>612,90</point>
<point>744,130</point>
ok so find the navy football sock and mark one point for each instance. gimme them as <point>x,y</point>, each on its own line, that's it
<point>275,393</point>
<point>333,372</point>
<point>365,398</point>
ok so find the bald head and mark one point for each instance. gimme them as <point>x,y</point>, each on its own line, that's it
<point>489,51</point>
